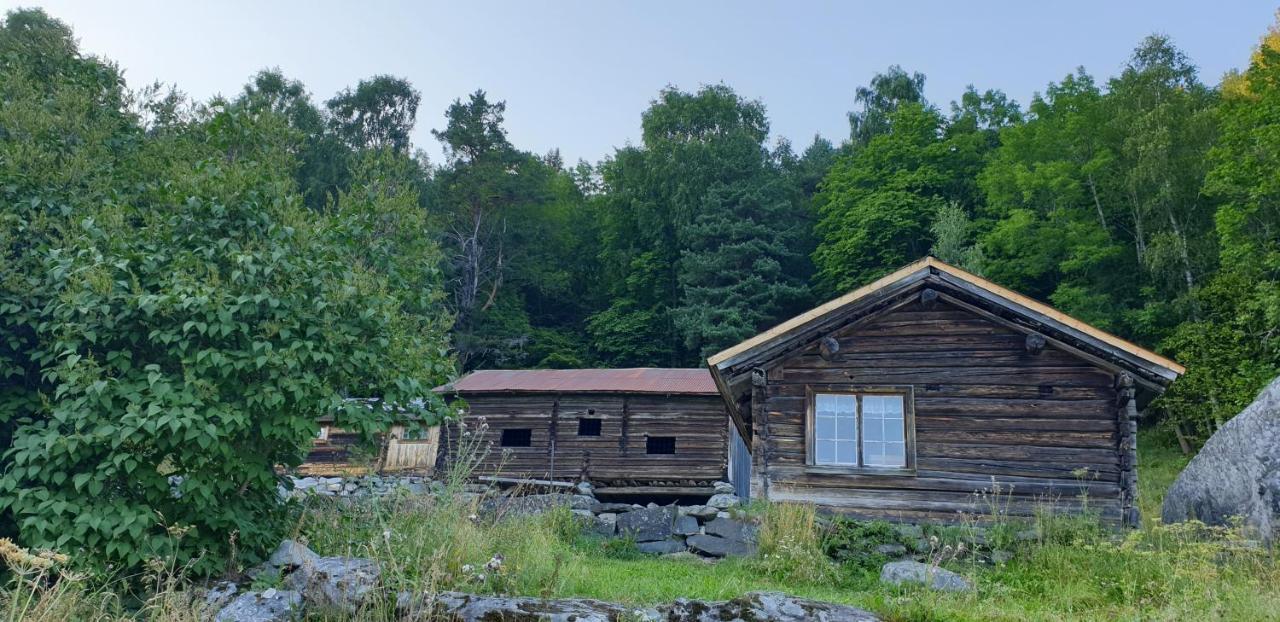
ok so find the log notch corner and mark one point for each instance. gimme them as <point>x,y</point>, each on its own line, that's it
<point>760,435</point>
<point>1127,419</point>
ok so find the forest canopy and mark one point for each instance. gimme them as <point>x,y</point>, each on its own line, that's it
<point>186,285</point>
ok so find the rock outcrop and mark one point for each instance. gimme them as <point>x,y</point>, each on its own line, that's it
<point>917,573</point>
<point>266,606</point>
<point>1236,473</point>
<point>755,606</point>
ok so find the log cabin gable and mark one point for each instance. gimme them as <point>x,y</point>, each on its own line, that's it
<point>927,284</point>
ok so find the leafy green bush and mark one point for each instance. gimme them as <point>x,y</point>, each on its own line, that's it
<point>176,320</point>
<point>853,542</point>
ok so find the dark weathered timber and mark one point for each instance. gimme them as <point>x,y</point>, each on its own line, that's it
<point>1035,343</point>
<point>995,413</point>
<point>698,422</point>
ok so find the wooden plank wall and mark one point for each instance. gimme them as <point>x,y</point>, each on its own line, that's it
<point>415,456</point>
<point>699,423</point>
<point>984,408</point>
<point>333,455</point>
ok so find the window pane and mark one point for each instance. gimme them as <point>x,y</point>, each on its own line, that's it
<point>886,455</point>
<point>845,452</point>
<point>872,427</point>
<point>835,432</point>
<point>893,430</point>
<point>847,428</point>
<point>825,427</point>
<point>825,404</point>
<point>825,452</point>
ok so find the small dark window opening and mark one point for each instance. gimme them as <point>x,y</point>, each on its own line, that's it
<point>517,437</point>
<point>660,445</point>
<point>1046,390</point>
<point>588,427</point>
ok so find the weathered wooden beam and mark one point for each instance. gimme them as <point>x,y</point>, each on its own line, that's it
<point>760,438</point>
<point>928,298</point>
<point>828,348</point>
<point>1035,343</point>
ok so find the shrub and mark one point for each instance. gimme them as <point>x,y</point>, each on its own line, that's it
<point>176,321</point>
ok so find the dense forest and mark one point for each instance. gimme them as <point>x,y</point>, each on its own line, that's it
<point>220,271</point>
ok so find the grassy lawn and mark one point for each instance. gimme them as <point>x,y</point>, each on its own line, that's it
<point>1077,571</point>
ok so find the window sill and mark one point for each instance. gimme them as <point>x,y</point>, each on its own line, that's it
<point>817,469</point>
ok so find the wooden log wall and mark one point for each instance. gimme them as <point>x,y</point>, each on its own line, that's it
<point>336,454</point>
<point>1046,426</point>
<point>699,424</point>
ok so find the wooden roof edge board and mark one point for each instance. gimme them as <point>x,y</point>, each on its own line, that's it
<point>726,396</point>
<point>915,272</point>
<point>465,392</point>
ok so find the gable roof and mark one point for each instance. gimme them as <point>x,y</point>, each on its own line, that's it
<point>960,287</point>
<point>638,380</point>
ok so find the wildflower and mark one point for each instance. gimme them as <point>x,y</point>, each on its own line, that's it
<point>495,563</point>
<point>17,556</point>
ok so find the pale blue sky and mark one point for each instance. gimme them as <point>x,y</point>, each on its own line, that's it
<point>576,75</point>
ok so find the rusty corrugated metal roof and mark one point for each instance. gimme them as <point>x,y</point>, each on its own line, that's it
<point>638,380</point>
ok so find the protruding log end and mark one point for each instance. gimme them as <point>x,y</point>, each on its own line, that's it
<point>928,298</point>
<point>1035,343</point>
<point>828,348</point>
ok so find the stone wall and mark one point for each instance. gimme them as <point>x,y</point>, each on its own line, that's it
<point>363,485</point>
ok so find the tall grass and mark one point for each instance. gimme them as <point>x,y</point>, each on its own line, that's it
<point>1077,569</point>
<point>791,544</point>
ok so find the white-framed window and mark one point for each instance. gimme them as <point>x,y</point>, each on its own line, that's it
<point>861,429</point>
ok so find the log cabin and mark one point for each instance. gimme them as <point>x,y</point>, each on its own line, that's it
<point>628,431</point>
<point>931,394</point>
<point>404,448</point>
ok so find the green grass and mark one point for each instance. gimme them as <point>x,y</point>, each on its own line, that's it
<point>1159,463</point>
<point>1078,570</point>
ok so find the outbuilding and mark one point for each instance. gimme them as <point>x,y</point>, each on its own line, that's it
<point>933,393</point>
<point>627,431</point>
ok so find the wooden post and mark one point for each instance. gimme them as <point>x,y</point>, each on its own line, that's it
<point>1127,419</point>
<point>759,436</point>
<point>622,438</point>
<point>551,444</point>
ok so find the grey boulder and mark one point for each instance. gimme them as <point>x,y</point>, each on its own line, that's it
<point>685,526</point>
<point>717,546</point>
<point>648,524</point>
<point>289,555</point>
<point>483,608</point>
<point>723,501</point>
<point>336,582</point>
<point>913,572</point>
<point>1236,473</point>
<point>731,529</point>
<point>764,606</point>
<point>755,606</point>
<point>670,545</point>
<point>267,606</point>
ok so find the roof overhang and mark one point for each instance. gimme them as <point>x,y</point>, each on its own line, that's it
<point>732,367</point>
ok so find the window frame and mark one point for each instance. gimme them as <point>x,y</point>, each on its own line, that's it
<point>502,437</point>
<point>907,394</point>
<point>597,424</point>
<point>650,439</point>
